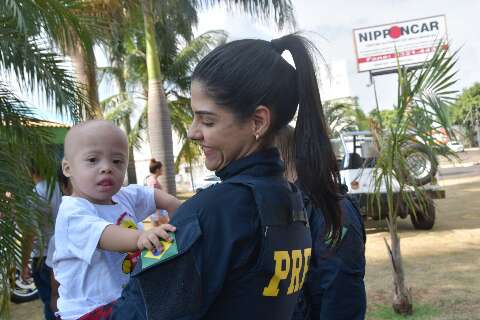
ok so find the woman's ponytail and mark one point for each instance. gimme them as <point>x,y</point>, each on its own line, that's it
<point>315,162</point>
<point>244,74</point>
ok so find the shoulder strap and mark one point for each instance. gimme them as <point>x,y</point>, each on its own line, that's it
<point>278,202</point>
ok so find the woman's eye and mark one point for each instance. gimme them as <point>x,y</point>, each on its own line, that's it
<point>92,160</point>
<point>208,124</point>
<point>117,161</point>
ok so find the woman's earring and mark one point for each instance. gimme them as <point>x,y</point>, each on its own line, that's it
<point>257,136</point>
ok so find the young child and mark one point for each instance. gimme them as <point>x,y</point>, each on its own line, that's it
<point>97,242</point>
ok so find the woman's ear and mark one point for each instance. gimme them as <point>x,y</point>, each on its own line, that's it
<point>262,119</point>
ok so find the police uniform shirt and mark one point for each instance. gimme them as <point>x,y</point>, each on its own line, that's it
<point>335,288</point>
<point>219,235</point>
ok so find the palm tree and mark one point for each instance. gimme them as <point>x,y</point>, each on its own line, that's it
<point>27,30</point>
<point>106,22</point>
<point>102,22</point>
<point>178,66</point>
<point>342,116</point>
<point>424,96</point>
<point>159,123</point>
<point>122,27</point>
<point>339,117</point>
<point>466,112</point>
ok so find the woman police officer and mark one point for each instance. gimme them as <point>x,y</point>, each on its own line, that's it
<point>244,244</point>
<point>334,288</point>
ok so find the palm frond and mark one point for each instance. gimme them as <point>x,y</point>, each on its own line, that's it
<point>424,97</point>
<point>280,10</point>
<point>135,137</point>
<point>23,145</point>
<point>180,69</point>
<point>21,15</point>
<point>34,66</point>
<point>117,107</point>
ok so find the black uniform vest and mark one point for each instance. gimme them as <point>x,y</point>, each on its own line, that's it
<point>269,288</point>
<point>266,287</point>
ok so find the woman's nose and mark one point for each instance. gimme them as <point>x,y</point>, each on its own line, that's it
<point>194,133</point>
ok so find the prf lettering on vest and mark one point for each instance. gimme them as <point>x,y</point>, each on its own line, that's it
<point>288,265</point>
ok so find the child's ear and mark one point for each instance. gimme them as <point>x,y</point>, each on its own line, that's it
<point>66,168</point>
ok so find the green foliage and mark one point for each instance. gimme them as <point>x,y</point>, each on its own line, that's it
<point>386,117</point>
<point>345,117</point>
<point>38,68</point>
<point>362,121</point>
<point>280,10</point>
<point>28,32</point>
<point>424,96</point>
<point>422,109</point>
<point>177,81</point>
<point>23,145</point>
<point>465,111</point>
<point>466,108</point>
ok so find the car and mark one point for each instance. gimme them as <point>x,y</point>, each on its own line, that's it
<point>357,154</point>
<point>455,146</point>
<point>206,182</point>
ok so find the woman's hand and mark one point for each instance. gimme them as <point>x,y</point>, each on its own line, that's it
<point>150,239</point>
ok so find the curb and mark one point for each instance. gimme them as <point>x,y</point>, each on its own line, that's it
<point>460,165</point>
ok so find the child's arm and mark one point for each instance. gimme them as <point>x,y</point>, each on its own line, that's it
<point>166,201</point>
<point>119,239</point>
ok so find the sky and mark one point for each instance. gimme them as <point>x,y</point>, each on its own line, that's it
<point>329,24</point>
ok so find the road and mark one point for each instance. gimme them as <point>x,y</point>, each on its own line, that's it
<point>467,165</point>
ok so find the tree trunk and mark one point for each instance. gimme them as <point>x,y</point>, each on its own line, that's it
<point>159,126</point>
<point>191,174</point>
<point>131,171</point>
<point>118,71</point>
<point>85,69</point>
<point>471,136</point>
<point>402,298</point>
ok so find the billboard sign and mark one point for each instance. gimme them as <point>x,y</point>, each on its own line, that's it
<point>413,42</point>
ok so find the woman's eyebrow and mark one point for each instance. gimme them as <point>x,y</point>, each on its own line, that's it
<point>204,113</point>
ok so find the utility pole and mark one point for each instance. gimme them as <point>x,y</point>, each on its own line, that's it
<point>372,83</point>
<point>477,128</point>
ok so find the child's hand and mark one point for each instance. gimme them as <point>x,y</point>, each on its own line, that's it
<point>150,239</point>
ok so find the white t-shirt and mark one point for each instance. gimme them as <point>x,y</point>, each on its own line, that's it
<point>90,277</point>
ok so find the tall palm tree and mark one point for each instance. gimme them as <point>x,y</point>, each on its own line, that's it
<point>27,30</point>
<point>103,22</point>
<point>174,21</point>
<point>123,26</point>
<point>159,123</point>
<point>424,96</point>
<point>178,66</point>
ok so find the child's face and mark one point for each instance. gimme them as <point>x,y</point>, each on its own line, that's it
<point>97,163</point>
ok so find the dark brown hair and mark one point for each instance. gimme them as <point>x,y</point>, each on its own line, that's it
<point>155,165</point>
<point>243,74</point>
